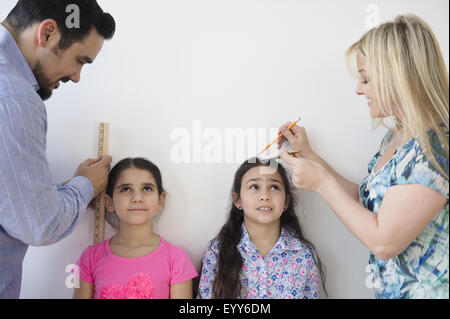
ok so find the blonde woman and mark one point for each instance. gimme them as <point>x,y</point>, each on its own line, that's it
<point>400,210</point>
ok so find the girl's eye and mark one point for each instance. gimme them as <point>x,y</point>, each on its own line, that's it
<point>148,189</point>
<point>365,81</point>
<point>254,186</point>
<point>275,187</point>
<point>124,189</point>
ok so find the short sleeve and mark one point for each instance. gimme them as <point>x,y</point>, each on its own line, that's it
<point>208,272</point>
<point>182,268</point>
<point>415,168</point>
<point>85,266</point>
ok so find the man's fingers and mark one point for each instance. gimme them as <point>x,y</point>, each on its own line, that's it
<point>106,160</point>
<point>90,161</point>
<point>103,161</point>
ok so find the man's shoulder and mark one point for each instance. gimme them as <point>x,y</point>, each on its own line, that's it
<point>17,98</point>
<point>13,85</point>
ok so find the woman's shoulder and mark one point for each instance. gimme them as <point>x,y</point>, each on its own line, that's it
<point>413,153</point>
<point>412,166</point>
<point>437,147</point>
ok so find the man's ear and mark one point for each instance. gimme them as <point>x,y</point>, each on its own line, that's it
<point>109,203</point>
<point>161,201</point>
<point>236,201</point>
<point>48,33</point>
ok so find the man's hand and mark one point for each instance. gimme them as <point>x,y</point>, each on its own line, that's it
<point>96,170</point>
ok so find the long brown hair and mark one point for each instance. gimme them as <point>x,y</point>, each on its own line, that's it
<point>226,283</point>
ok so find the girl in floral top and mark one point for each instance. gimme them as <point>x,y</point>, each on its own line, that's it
<point>400,210</point>
<point>261,251</point>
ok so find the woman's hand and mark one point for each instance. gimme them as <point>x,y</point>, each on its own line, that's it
<point>297,139</point>
<point>306,174</point>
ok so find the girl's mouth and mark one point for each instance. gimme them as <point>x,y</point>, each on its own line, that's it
<point>264,209</point>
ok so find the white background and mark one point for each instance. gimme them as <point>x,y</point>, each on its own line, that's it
<point>229,64</point>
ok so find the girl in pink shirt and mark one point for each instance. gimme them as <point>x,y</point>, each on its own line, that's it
<point>136,263</point>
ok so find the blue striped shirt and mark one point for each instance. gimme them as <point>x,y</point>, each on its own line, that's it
<point>33,210</point>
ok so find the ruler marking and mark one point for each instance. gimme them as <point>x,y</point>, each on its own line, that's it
<point>99,219</point>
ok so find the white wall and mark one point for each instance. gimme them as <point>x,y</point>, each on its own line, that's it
<point>229,64</point>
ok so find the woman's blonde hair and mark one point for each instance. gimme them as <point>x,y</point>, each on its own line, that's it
<point>408,80</point>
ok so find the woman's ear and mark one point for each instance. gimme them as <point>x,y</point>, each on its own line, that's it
<point>161,201</point>
<point>236,201</point>
<point>109,203</point>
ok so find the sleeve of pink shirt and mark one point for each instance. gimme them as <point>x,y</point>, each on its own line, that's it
<point>85,265</point>
<point>182,267</point>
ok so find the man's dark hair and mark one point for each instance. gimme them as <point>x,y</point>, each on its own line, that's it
<point>28,12</point>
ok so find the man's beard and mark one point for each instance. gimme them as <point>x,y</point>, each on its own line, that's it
<point>45,84</point>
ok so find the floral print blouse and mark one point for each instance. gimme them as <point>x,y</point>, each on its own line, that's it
<point>289,270</point>
<point>421,270</point>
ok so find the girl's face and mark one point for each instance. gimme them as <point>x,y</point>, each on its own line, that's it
<point>363,88</point>
<point>135,197</point>
<point>262,197</point>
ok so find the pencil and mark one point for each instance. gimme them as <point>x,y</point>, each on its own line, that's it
<point>279,136</point>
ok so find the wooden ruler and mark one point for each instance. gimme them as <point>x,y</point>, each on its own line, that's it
<point>99,219</point>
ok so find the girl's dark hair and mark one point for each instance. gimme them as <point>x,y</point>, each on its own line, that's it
<point>114,174</point>
<point>27,12</point>
<point>226,283</point>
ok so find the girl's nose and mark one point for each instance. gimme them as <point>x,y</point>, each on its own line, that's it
<point>137,198</point>
<point>264,196</point>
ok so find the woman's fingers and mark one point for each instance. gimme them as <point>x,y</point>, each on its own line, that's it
<point>289,159</point>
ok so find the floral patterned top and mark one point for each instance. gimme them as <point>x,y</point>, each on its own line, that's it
<point>288,271</point>
<point>421,270</point>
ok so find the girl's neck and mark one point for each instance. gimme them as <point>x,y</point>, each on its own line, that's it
<point>264,237</point>
<point>136,235</point>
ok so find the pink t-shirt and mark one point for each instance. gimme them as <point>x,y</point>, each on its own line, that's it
<point>146,277</point>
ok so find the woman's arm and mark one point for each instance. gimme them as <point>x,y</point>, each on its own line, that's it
<point>405,211</point>
<point>351,188</point>
<point>86,291</point>
<point>182,290</point>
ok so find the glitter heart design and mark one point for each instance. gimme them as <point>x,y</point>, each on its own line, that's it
<point>140,286</point>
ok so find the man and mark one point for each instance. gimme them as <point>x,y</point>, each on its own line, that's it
<point>38,50</point>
